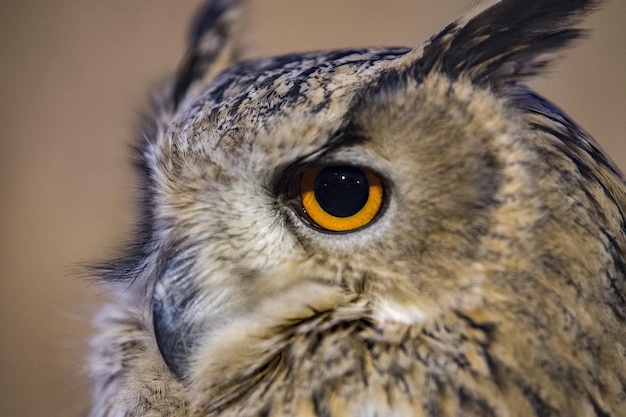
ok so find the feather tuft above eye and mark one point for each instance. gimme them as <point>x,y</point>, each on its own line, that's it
<point>505,43</point>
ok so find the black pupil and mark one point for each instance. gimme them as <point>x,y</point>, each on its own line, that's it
<point>341,191</point>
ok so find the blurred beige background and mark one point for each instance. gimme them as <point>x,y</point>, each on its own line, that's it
<point>73,75</point>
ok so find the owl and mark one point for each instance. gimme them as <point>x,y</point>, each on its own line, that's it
<point>369,232</point>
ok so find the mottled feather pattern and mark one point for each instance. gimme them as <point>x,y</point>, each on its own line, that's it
<point>491,283</point>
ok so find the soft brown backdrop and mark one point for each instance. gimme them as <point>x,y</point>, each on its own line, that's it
<point>73,75</point>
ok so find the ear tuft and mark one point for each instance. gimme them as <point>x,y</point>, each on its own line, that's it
<point>506,42</point>
<point>214,44</point>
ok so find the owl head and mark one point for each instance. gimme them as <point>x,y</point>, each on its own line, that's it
<point>371,231</point>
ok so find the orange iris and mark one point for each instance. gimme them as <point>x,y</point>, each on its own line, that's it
<point>369,186</point>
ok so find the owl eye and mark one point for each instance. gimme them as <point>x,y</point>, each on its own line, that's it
<point>341,198</point>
